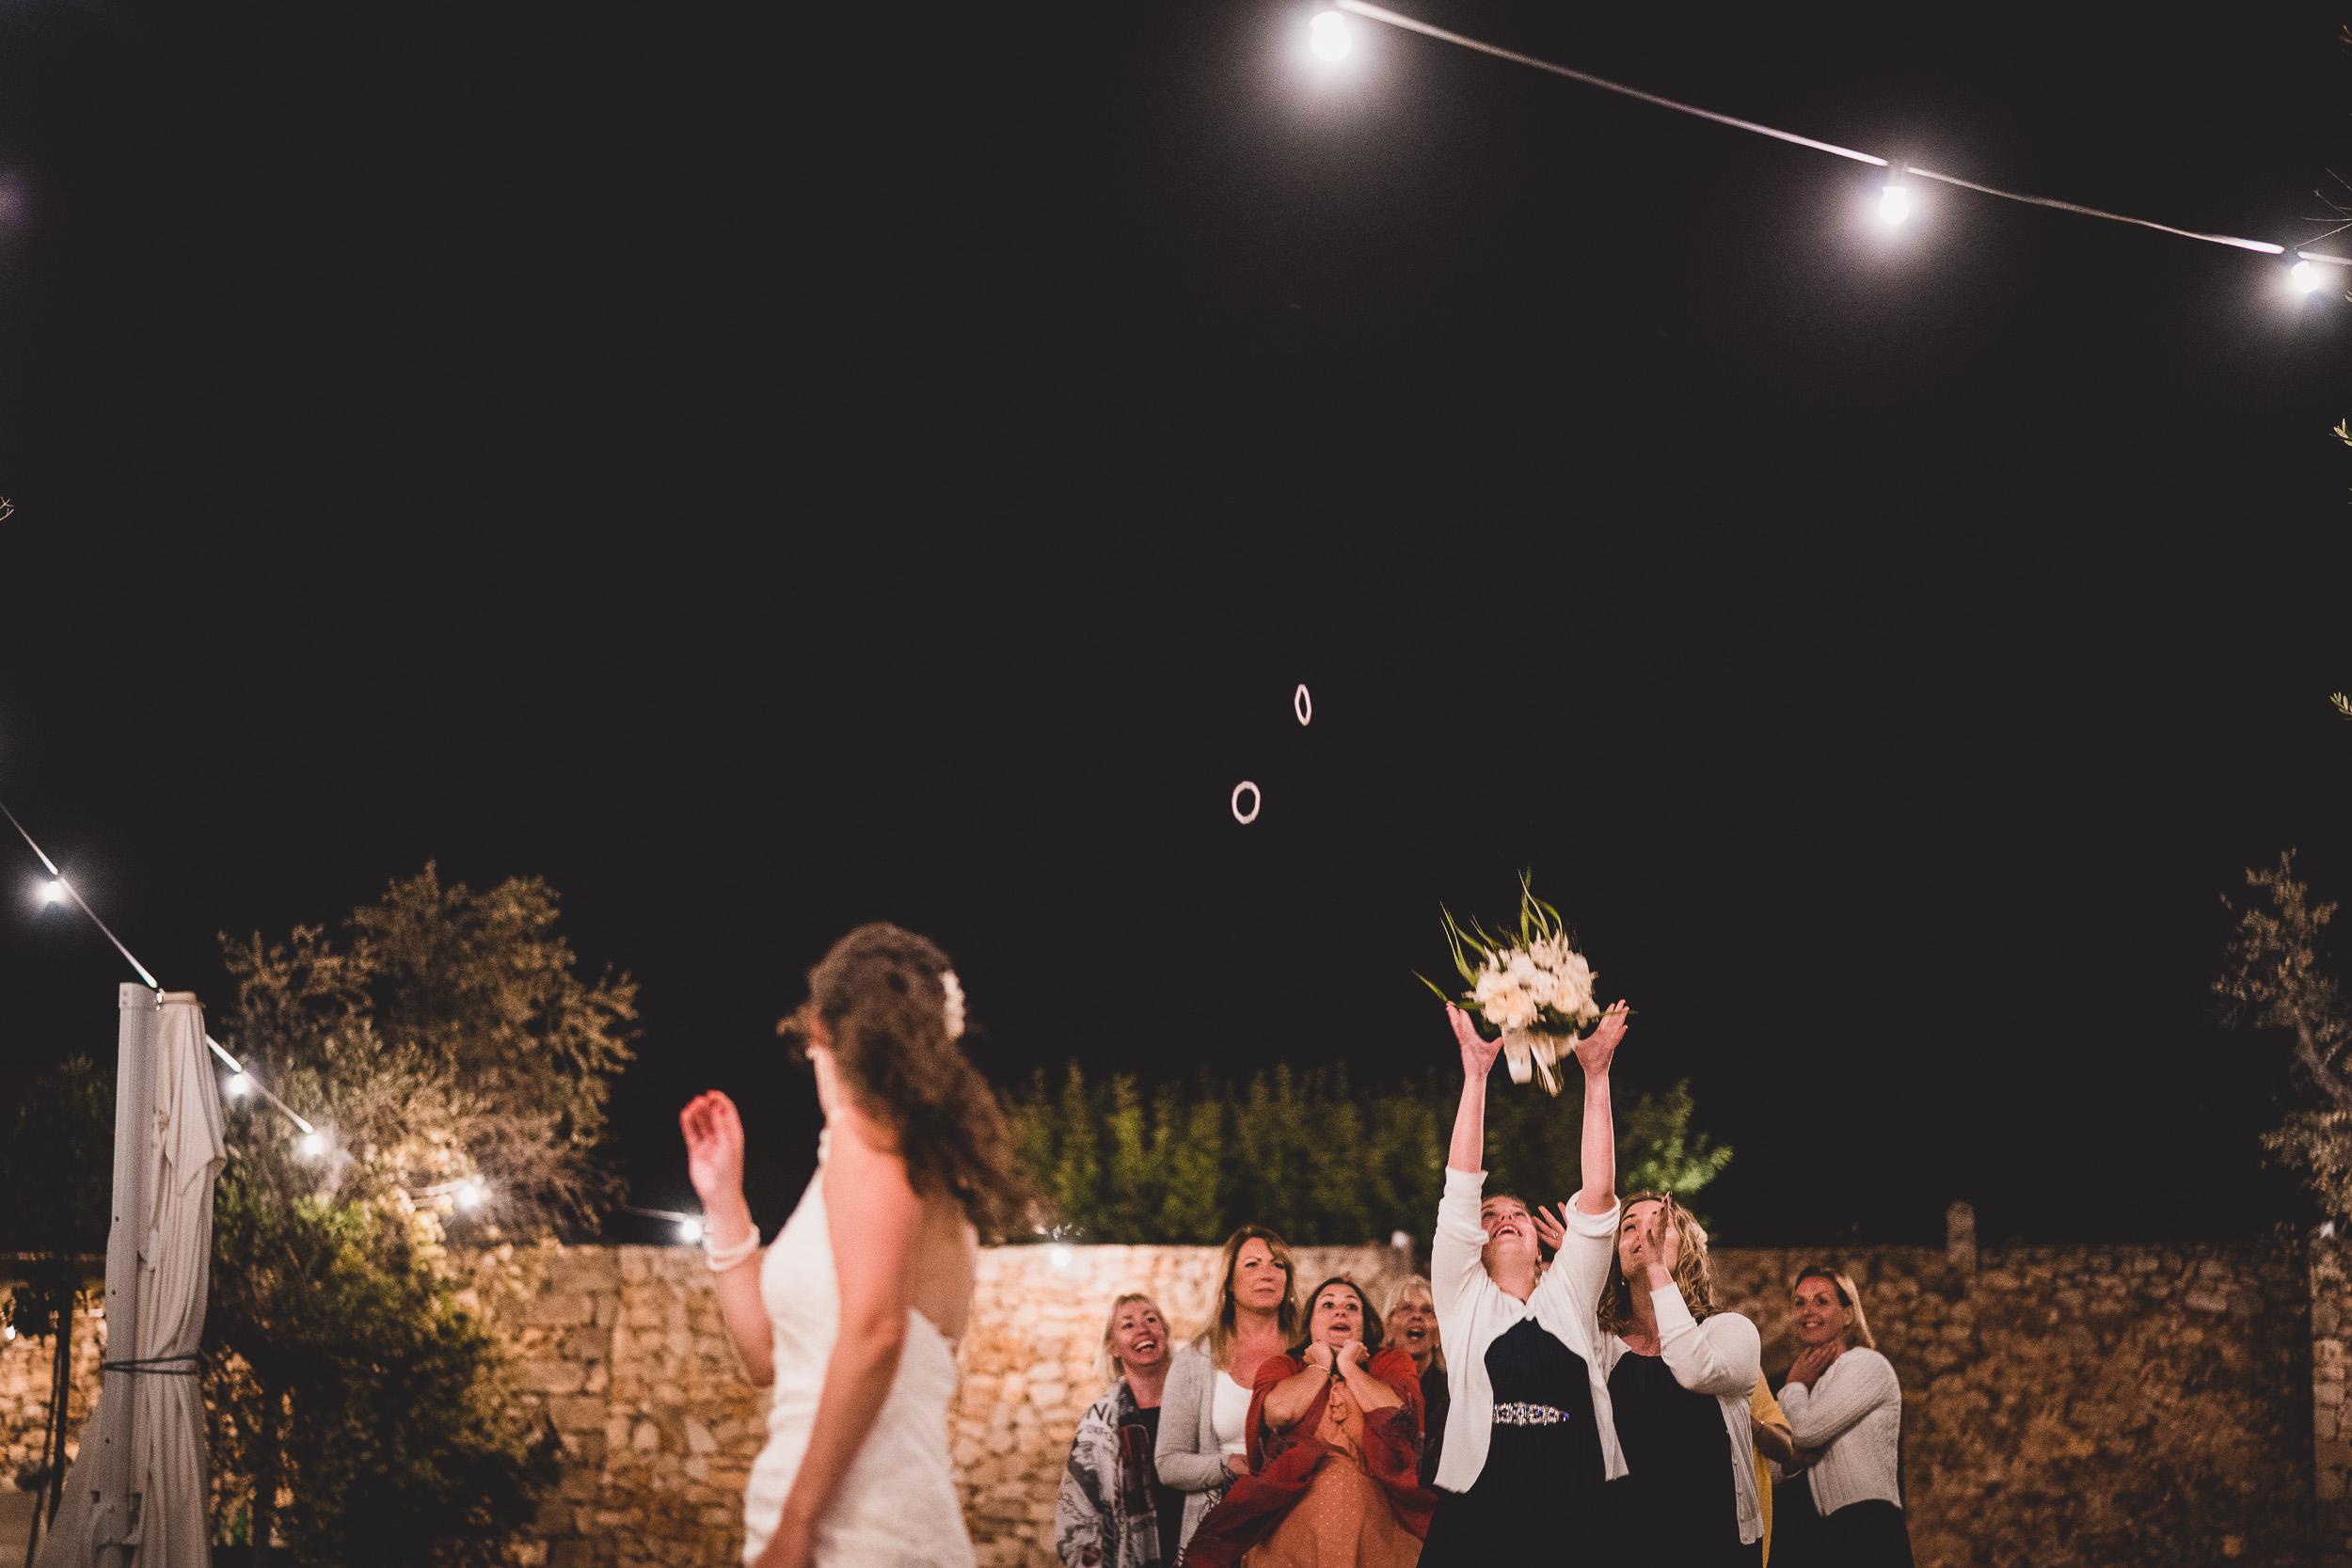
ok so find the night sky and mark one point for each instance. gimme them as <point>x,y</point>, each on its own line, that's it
<point>770,471</point>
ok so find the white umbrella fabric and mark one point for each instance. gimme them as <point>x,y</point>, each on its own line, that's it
<point>169,1474</point>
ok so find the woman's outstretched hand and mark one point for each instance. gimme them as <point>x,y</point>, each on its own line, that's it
<point>714,1148</point>
<point>1596,1048</point>
<point>1478,1055</point>
<point>1551,1230</point>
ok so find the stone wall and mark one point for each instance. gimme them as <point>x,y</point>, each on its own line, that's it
<point>2089,1406</point>
<point>2082,1404</point>
<point>25,1370</point>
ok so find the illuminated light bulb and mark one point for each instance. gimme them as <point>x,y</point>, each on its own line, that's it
<point>1059,1257</point>
<point>2303,278</point>
<point>469,1196</point>
<point>313,1145</point>
<point>52,891</point>
<point>1327,35</point>
<point>1894,204</point>
<point>690,1231</point>
<point>238,1084</point>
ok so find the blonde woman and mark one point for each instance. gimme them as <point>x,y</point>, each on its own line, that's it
<point>1412,1318</point>
<point>1845,1409</point>
<point>1204,1438</point>
<point>1112,1511</point>
<point>1680,1377</point>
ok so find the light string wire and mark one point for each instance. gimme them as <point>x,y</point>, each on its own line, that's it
<point>80,903</point>
<point>1410,24</point>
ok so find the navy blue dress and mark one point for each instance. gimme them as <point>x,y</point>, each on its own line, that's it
<point>1539,1498</point>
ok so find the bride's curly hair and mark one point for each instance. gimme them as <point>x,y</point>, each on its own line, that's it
<point>884,1005</point>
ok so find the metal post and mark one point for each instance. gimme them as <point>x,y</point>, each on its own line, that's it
<point>117,1488</point>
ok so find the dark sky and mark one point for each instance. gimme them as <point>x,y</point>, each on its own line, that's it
<point>772,470</point>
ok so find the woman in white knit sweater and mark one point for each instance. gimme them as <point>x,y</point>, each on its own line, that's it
<point>1845,1410</point>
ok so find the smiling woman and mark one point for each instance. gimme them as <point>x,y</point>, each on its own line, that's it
<point>1202,1444</point>
<point>1112,1511</point>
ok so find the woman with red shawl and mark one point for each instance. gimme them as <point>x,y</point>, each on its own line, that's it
<point>1334,1432</point>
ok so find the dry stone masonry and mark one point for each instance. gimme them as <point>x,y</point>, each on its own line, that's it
<point>2081,1405</point>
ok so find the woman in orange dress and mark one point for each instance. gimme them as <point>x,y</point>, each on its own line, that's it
<point>1334,1433</point>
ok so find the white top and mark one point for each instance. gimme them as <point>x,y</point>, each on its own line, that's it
<point>1720,1356</point>
<point>899,1503</point>
<point>1228,1413</point>
<point>1474,1312</point>
<point>1856,1407</point>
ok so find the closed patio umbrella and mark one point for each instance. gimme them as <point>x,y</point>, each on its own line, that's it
<point>163,1523</point>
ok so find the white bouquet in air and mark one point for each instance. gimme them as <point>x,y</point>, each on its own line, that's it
<point>1537,988</point>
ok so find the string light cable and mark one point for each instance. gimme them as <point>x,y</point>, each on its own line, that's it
<point>1895,205</point>
<point>59,888</point>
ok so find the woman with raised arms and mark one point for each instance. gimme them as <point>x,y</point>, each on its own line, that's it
<point>852,1316</point>
<point>1529,1440</point>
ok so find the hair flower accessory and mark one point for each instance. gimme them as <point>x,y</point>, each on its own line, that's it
<point>954,988</point>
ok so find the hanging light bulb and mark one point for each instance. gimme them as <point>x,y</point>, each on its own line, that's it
<point>1893,195</point>
<point>52,891</point>
<point>471,1193</point>
<point>690,1230</point>
<point>1327,36</point>
<point>237,1085</point>
<point>311,1145</point>
<point>2303,278</point>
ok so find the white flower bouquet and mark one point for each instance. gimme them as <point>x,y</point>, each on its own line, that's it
<point>1538,989</point>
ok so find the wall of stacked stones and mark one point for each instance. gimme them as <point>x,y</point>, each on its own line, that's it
<point>2089,1405</point>
<point>2082,1404</point>
<point>26,1367</point>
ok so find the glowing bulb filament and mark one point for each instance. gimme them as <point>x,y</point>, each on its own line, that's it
<point>238,1084</point>
<point>690,1231</point>
<point>2303,278</point>
<point>1894,204</point>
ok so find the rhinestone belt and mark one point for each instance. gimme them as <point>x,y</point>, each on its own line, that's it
<point>1520,1414</point>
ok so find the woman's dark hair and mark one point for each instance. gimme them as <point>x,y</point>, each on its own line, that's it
<point>884,1008</point>
<point>1370,1315</point>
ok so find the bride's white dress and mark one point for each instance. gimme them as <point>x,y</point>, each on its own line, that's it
<point>897,1507</point>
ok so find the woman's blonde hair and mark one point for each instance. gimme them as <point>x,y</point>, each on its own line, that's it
<point>1849,1295</point>
<point>1217,1339</point>
<point>1405,1289</point>
<point>1692,1275</point>
<point>1106,1363</point>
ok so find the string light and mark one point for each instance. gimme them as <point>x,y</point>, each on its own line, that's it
<point>1894,200</point>
<point>236,1085</point>
<point>58,890</point>
<point>1327,35</point>
<point>470,1194</point>
<point>1894,196</point>
<point>690,1230</point>
<point>311,1145</point>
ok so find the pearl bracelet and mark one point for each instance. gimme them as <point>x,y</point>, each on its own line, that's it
<point>723,1259</point>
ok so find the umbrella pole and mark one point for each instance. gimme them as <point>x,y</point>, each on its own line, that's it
<point>118,1489</point>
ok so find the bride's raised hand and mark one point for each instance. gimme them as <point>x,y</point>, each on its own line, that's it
<point>1478,1055</point>
<point>714,1146</point>
<point>1595,1050</point>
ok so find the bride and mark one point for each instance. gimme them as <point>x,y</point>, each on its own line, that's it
<point>853,1314</point>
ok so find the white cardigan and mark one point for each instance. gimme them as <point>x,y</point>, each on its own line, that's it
<point>1856,1407</point>
<point>1474,1312</point>
<point>1721,1356</point>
